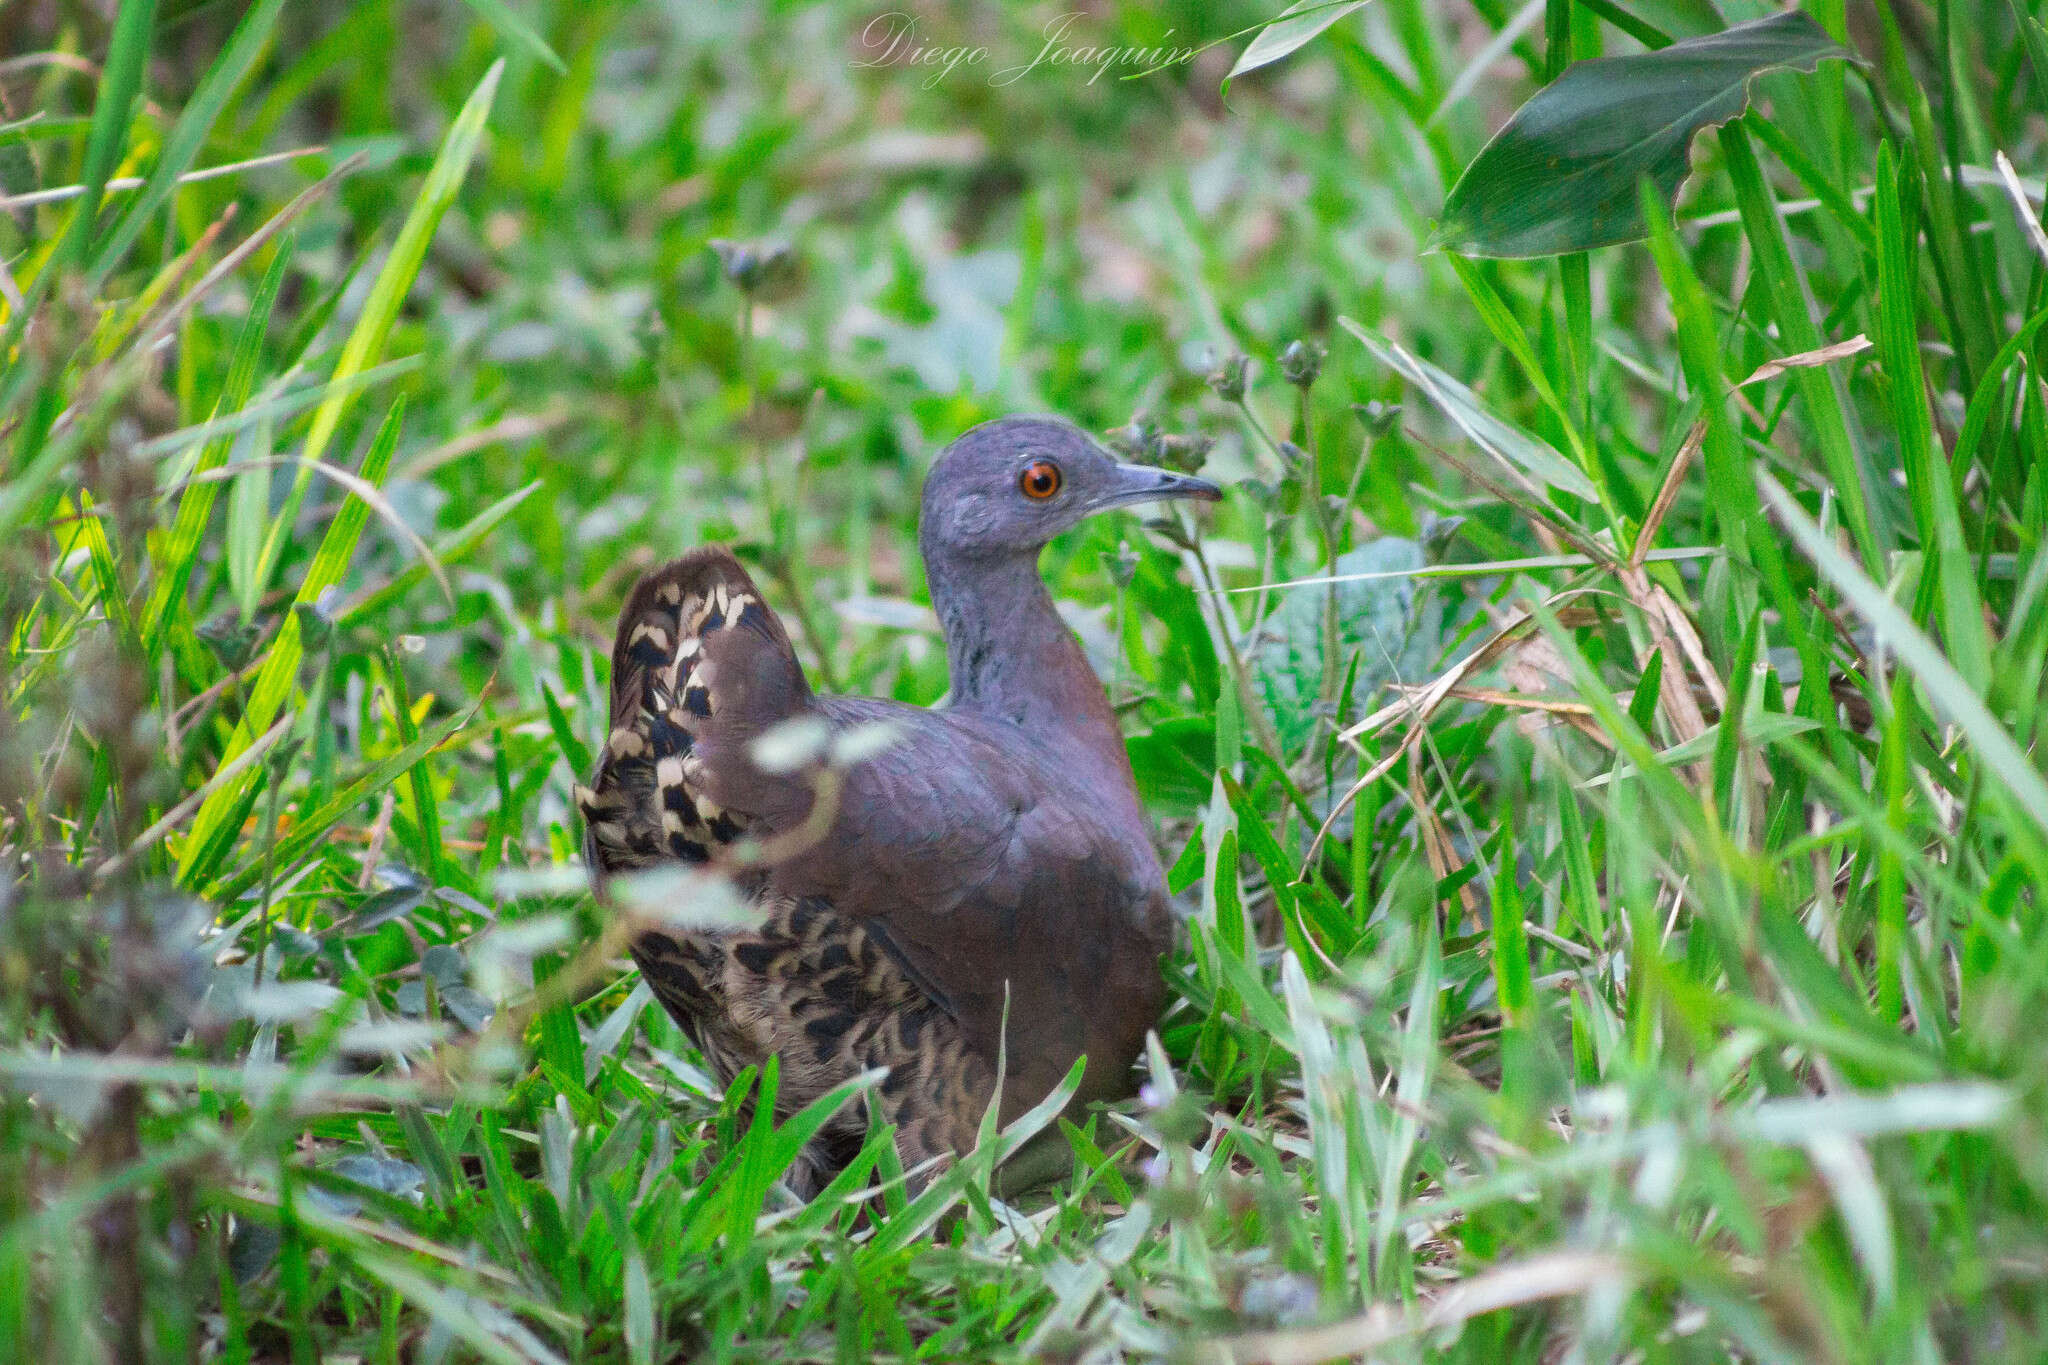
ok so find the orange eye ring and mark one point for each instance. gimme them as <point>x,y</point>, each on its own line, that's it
<point>1040,480</point>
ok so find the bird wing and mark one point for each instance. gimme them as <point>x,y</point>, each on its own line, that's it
<point>700,666</point>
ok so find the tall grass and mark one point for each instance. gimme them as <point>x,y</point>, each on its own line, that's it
<point>1614,912</point>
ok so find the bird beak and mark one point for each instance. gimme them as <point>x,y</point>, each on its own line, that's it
<point>1146,483</point>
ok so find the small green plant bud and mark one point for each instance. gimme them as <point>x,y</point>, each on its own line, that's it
<point>318,618</point>
<point>781,274</point>
<point>1377,417</point>
<point>1293,458</point>
<point>316,628</point>
<point>1135,438</point>
<point>1302,363</point>
<point>767,272</point>
<point>1266,495</point>
<point>232,642</point>
<point>1184,453</point>
<point>1170,531</point>
<point>1437,533</point>
<point>1121,566</point>
<point>280,758</point>
<point>1228,379</point>
<point>738,260</point>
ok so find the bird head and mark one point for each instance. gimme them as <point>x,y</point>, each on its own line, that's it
<point>1007,487</point>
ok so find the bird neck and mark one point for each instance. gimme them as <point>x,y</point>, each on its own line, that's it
<point>1010,654</point>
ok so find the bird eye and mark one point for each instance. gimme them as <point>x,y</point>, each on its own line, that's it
<point>1040,480</point>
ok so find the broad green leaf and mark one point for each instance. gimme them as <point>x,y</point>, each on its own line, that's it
<point>1377,623</point>
<point>1561,175</point>
<point>1294,28</point>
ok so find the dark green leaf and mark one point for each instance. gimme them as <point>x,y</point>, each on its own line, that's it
<point>470,1007</point>
<point>1378,625</point>
<point>1561,175</point>
<point>384,907</point>
<point>445,965</point>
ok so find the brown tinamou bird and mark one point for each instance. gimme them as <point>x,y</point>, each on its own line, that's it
<point>996,846</point>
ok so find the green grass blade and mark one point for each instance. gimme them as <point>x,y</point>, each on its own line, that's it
<point>387,293</point>
<point>423,808</point>
<point>1791,305</point>
<point>516,30</point>
<point>189,134</point>
<point>1507,330</point>
<point>1946,688</point>
<point>175,562</point>
<point>280,670</point>
<point>112,112</point>
<point>1928,477</point>
<point>574,751</point>
<point>449,549</point>
<point>276,409</point>
<point>309,828</point>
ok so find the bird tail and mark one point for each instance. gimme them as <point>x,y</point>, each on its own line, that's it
<point>699,667</point>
